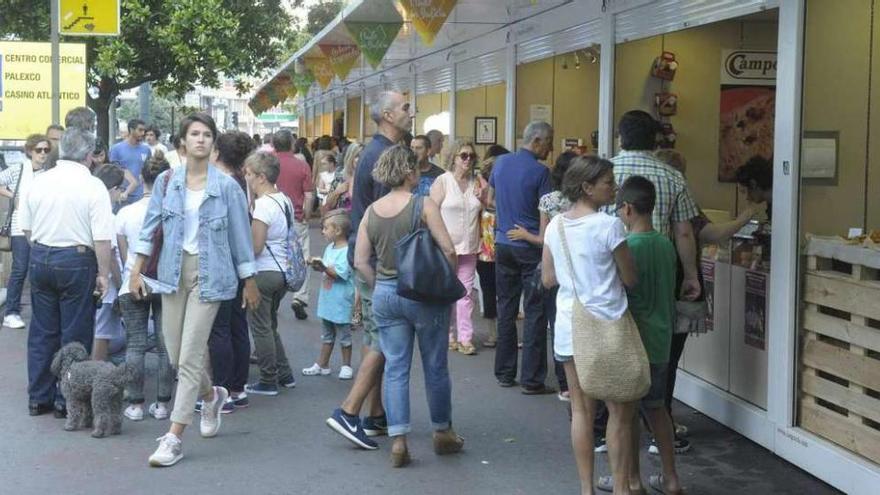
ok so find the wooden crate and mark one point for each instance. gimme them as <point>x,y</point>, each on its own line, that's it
<point>840,355</point>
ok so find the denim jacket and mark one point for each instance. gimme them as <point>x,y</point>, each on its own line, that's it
<point>225,245</point>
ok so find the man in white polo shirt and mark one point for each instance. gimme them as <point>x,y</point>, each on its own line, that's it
<point>67,217</point>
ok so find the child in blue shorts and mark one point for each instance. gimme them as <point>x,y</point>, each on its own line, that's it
<point>336,298</point>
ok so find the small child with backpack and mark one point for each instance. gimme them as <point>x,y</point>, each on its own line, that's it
<point>336,297</point>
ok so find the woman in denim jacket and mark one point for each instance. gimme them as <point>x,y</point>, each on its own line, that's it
<point>206,249</point>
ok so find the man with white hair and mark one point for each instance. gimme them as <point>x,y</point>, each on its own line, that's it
<point>517,183</point>
<point>69,221</point>
<point>436,138</point>
<point>391,112</point>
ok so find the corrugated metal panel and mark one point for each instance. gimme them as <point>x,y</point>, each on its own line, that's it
<point>437,80</point>
<point>481,71</point>
<point>340,102</point>
<point>567,40</point>
<point>664,16</point>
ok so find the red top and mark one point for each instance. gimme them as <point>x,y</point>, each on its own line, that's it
<point>294,180</point>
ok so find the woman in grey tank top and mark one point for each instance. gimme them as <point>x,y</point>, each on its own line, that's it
<point>401,321</point>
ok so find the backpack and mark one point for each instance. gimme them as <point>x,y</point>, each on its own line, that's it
<point>295,270</point>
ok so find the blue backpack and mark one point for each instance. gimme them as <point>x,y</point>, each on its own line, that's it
<point>295,270</point>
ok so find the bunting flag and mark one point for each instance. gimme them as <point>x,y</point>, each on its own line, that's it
<point>342,58</point>
<point>374,38</point>
<point>320,68</point>
<point>428,16</point>
<point>303,81</point>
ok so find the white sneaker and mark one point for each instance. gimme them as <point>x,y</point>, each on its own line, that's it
<point>316,369</point>
<point>13,321</point>
<point>346,373</point>
<point>134,412</point>
<point>159,411</point>
<point>210,423</point>
<point>169,452</point>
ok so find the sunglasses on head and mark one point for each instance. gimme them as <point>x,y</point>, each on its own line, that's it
<point>467,156</point>
<point>42,150</point>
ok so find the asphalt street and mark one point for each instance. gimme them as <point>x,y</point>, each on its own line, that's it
<point>514,444</point>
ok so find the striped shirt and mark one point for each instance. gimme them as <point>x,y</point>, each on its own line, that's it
<point>9,179</point>
<point>675,203</point>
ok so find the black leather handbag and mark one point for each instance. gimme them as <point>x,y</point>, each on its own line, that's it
<point>423,272</point>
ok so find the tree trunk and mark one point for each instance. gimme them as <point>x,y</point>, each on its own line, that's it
<point>101,105</point>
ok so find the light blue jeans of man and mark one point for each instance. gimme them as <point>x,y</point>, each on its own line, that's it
<point>401,321</point>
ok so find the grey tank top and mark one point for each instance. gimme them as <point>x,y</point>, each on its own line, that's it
<point>384,234</point>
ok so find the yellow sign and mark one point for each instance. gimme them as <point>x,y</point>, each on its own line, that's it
<point>89,17</point>
<point>26,85</point>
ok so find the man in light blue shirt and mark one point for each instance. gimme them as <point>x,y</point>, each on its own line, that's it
<point>131,154</point>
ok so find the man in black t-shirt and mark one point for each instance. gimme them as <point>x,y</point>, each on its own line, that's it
<point>421,146</point>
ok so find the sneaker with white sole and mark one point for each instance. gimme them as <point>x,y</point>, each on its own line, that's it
<point>681,446</point>
<point>134,412</point>
<point>159,410</point>
<point>315,370</point>
<point>169,452</point>
<point>211,413</point>
<point>13,321</point>
<point>228,407</point>
<point>260,388</point>
<point>599,445</point>
<point>346,373</point>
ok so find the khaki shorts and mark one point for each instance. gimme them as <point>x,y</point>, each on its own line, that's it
<point>371,332</point>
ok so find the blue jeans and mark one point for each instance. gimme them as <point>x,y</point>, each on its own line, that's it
<point>21,252</point>
<point>400,322</point>
<point>515,277</point>
<point>62,283</point>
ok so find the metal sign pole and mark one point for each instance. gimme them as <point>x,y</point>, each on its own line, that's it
<point>56,63</point>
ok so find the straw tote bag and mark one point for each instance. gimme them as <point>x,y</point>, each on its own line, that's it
<point>609,356</point>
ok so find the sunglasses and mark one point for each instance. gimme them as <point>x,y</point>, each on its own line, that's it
<point>41,150</point>
<point>467,156</point>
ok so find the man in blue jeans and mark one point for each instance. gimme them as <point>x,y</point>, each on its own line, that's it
<point>517,182</point>
<point>68,251</point>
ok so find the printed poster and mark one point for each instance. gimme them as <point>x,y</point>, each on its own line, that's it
<point>756,310</point>
<point>708,268</point>
<point>747,109</point>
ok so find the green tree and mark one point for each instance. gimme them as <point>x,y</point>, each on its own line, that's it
<point>321,14</point>
<point>175,44</point>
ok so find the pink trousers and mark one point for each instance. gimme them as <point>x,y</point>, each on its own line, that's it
<point>464,307</point>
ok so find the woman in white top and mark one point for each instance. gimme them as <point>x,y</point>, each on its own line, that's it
<point>137,313</point>
<point>14,182</point>
<point>272,212</point>
<point>457,193</point>
<point>325,170</point>
<point>603,266</point>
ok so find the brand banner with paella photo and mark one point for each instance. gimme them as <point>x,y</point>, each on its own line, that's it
<point>748,109</point>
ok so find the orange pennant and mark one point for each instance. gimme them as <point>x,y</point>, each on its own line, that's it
<point>428,16</point>
<point>342,58</point>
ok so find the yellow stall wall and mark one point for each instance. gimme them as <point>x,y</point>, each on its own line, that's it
<point>353,109</point>
<point>369,125</point>
<point>485,101</point>
<point>698,85</point>
<point>573,97</point>
<point>326,124</point>
<point>428,105</point>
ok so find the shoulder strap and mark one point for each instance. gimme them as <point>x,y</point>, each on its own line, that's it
<point>417,211</point>
<point>567,255</point>
<point>285,209</point>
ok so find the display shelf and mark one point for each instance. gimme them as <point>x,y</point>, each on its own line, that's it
<point>840,354</point>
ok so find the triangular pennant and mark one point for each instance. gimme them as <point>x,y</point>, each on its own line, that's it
<point>303,82</point>
<point>428,16</point>
<point>320,68</point>
<point>374,38</point>
<point>342,58</point>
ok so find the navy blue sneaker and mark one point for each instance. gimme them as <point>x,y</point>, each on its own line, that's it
<point>241,400</point>
<point>289,382</point>
<point>375,426</point>
<point>260,388</point>
<point>350,428</point>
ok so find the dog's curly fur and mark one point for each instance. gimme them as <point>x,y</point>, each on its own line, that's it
<point>93,390</point>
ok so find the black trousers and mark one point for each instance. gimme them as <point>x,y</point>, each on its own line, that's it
<point>230,346</point>
<point>486,272</point>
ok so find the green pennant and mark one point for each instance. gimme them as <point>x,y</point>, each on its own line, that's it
<point>374,38</point>
<point>303,81</point>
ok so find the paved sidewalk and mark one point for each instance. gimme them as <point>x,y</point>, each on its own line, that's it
<point>514,444</point>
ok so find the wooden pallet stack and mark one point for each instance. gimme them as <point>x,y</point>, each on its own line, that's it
<point>840,355</point>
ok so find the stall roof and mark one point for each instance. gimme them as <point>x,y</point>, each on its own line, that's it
<point>468,20</point>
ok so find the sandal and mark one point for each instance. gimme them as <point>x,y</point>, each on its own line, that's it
<point>447,442</point>
<point>467,349</point>
<point>606,484</point>
<point>453,345</point>
<point>655,481</point>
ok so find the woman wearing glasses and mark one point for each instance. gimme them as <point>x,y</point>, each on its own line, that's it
<point>14,181</point>
<point>457,192</point>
